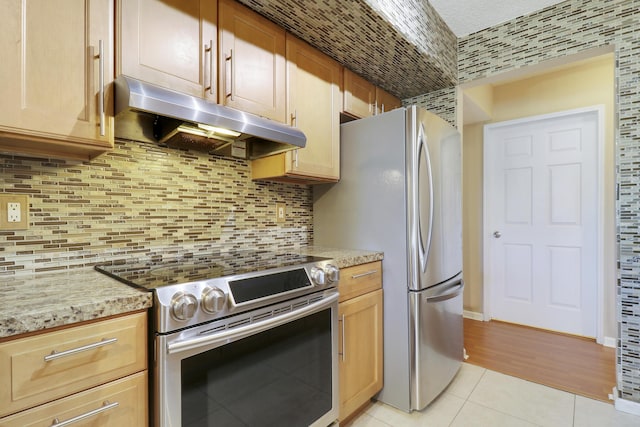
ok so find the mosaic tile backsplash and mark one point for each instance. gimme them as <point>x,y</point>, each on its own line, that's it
<point>572,27</point>
<point>403,46</point>
<point>143,199</point>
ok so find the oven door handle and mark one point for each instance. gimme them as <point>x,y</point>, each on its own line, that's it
<point>218,339</point>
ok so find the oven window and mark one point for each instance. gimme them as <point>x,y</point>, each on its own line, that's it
<point>280,377</point>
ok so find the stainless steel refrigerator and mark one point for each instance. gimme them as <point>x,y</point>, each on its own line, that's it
<point>400,193</point>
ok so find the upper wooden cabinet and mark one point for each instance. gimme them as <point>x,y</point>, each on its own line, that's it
<point>171,43</point>
<point>313,105</point>
<point>385,101</point>
<point>359,95</point>
<point>251,62</point>
<point>53,100</point>
<point>364,99</point>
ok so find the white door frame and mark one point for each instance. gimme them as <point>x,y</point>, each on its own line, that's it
<point>486,232</point>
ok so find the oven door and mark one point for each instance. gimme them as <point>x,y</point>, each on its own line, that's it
<point>275,366</point>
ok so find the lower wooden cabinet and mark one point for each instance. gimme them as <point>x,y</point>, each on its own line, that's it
<point>360,316</point>
<point>83,369</point>
<point>118,403</point>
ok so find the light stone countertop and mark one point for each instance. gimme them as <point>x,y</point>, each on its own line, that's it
<point>30,303</point>
<point>343,257</point>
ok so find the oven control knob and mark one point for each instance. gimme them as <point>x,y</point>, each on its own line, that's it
<point>318,276</point>
<point>213,300</point>
<point>183,306</point>
<point>333,274</point>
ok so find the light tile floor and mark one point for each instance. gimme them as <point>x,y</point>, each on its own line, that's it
<point>483,398</point>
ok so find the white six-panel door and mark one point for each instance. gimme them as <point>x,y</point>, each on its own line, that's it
<point>541,221</point>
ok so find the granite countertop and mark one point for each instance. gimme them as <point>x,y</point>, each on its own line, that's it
<point>32,303</point>
<point>343,257</point>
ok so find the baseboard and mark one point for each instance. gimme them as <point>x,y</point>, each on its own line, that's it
<point>609,342</point>
<point>473,315</point>
<point>627,406</point>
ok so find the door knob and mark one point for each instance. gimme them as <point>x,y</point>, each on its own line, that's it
<point>497,234</point>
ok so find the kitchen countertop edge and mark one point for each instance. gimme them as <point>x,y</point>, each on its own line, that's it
<point>33,303</point>
<point>343,257</point>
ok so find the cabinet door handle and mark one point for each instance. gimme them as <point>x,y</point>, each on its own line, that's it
<point>55,355</point>
<point>295,158</point>
<point>101,83</point>
<point>228,78</point>
<point>105,407</point>
<point>209,50</point>
<point>294,118</point>
<point>343,353</point>
<point>368,273</point>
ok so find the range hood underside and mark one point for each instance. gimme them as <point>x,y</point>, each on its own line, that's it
<point>149,113</point>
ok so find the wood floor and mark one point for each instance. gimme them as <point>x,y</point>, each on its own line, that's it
<point>574,364</point>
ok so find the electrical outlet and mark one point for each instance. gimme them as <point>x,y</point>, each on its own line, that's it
<point>281,212</point>
<point>14,211</point>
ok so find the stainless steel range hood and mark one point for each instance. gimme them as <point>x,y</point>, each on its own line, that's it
<point>145,112</point>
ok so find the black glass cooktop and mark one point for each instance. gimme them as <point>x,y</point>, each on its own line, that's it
<point>154,273</point>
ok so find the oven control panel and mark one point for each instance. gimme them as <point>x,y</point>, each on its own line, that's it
<point>205,300</point>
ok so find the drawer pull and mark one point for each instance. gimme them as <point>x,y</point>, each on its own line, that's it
<point>55,355</point>
<point>368,273</point>
<point>105,407</point>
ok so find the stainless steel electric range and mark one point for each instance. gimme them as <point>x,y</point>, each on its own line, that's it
<point>243,338</point>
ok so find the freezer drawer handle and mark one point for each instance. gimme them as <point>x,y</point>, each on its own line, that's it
<point>105,407</point>
<point>55,355</point>
<point>447,296</point>
<point>367,273</point>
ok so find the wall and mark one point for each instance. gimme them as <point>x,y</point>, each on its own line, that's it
<point>583,85</point>
<point>142,199</point>
<point>575,27</point>
<point>403,46</point>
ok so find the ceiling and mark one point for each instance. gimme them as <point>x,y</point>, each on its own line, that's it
<point>469,16</point>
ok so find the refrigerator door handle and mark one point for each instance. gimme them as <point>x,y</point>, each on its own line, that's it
<point>424,249</point>
<point>449,295</point>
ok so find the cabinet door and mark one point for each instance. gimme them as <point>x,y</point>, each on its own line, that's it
<point>385,101</point>
<point>251,62</point>
<point>119,403</point>
<point>50,76</point>
<point>359,95</point>
<point>313,104</point>
<point>171,43</point>
<point>361,352</point>
<point>314,88</point>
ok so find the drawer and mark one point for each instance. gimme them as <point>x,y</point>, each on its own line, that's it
<point>119,403</point>
<point>44,367</point>
<point>359,280</point>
